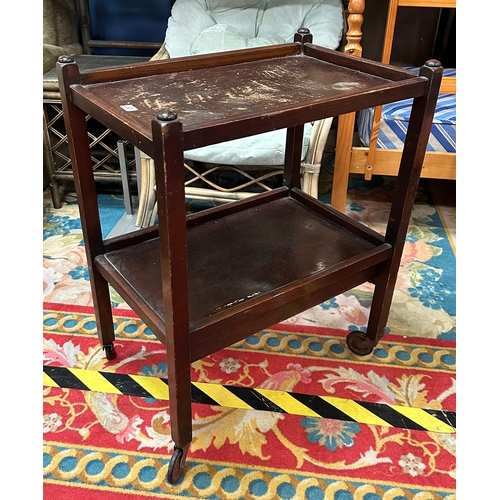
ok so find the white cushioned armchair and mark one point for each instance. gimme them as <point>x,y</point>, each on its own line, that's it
<point>207,26</point>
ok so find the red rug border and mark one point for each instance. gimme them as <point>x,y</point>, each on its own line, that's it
<point>282,327</point>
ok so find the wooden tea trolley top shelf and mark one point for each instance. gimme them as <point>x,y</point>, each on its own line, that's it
<point>261,90</point>
<point>205,281</point>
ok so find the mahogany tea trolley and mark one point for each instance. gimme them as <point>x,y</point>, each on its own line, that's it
<point>204,281</point>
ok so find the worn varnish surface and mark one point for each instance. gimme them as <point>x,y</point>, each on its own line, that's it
<point>255,88</point>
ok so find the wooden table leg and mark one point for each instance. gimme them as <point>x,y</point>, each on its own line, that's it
<point>169,170</point>
<point>407,183</point>
<point>76,126</point>
<point>345,133</point>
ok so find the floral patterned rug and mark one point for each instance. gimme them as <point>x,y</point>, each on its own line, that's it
<point>102,445</point>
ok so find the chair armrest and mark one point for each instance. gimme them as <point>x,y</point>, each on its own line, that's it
<point>161,54</point>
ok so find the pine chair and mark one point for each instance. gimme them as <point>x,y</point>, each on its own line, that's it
<point>375,157</point>
<point>196,27</point>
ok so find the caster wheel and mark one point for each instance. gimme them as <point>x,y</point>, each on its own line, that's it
<point>176,465</point>
<point>359,343</point>
<point>110,352</point>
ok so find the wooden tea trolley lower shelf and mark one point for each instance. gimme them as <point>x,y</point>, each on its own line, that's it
<point>205,281</point>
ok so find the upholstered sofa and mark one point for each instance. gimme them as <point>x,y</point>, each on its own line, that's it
<point>60,31</point>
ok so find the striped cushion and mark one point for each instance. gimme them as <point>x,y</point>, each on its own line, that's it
<point>394,123</point>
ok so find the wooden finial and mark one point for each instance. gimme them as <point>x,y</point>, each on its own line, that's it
<point>303,35</point>
<point>433,63</point>
<point>166,115</point>
<point>65,59</point>
<point>354,22</point>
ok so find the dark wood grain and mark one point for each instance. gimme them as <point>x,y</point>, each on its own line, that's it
<point>367,66</point>
<point>173,271</point>
<point>76,126</point>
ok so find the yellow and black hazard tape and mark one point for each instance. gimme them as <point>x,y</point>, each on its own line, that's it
<point>292,403</point>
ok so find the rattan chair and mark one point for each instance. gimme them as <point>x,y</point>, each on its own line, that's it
<point>68,30</point>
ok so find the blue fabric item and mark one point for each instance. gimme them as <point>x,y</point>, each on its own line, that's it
<point>395,118</point>
<point>207,26</point>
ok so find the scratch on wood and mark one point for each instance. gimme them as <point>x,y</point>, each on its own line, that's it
<point>345,85</point>
<point>159,103</point>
